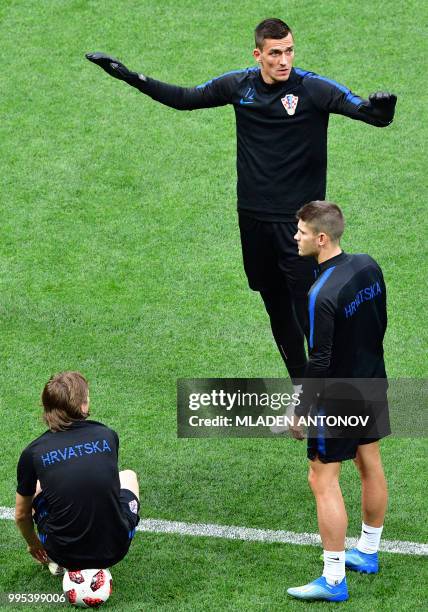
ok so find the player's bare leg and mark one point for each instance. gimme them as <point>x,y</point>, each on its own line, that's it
<point>332,523</point>
<point>128,480</point>
<point>374,499</point>
<point>374,492</point>
<point>332,518</point>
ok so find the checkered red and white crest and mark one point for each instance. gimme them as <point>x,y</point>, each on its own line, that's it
<point>290,103</point>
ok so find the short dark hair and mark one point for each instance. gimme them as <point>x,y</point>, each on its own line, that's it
<point>62,399</point>
<point>270,28</point>
<point>323,217</point>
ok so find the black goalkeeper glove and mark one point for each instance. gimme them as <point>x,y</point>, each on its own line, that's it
<point>114,67</point>
<point>383,100</point>
<point>381,107</point>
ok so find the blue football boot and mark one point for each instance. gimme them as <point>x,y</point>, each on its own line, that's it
<point>320,589</point>
<point>361,562</point>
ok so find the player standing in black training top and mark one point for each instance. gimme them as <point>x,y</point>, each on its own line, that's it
<point>282,116</point>
<point>347,323</point>
<point>86,511</point>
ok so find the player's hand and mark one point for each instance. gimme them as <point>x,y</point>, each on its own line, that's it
<point>110,64</point>
<point>382,99</point>
<point>37,551</point>
<point>296,430</point>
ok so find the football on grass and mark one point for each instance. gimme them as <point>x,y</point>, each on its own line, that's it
<point>87,588</point>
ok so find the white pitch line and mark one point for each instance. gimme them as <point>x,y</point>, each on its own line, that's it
<point>249,534</point>
<point>267,535</point>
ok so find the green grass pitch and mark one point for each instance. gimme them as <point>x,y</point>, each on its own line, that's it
<point>120,257</point>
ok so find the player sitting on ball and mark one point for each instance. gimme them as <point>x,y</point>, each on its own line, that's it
<point>69,484</point>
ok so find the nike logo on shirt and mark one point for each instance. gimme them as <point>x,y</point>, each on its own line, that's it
<point>248,98</point>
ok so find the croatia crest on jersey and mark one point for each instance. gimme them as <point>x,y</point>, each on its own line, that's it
<point>289,102</point>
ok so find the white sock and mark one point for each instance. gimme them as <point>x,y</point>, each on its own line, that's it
<point>369,539</point>
<point>334,566</point>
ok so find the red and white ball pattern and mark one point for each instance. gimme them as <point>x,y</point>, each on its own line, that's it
<point>88,588</point>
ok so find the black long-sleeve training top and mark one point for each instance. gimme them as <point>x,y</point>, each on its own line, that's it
<point>347,324</point>
<point>281,132</point>
<point>83,523</point>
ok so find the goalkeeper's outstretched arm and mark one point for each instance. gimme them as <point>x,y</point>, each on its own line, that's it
<point>332,97</point>
<point>217,93</point>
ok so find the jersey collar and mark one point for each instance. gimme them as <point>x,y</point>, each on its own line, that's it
<point>333,261</point>
<point>282,85</point>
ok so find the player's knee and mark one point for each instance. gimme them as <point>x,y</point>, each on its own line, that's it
<point>368,462</point>
<point>317,484</point>
<point>322,483</point>
<point>128,474</point>
<point>365,470</point>
<point>129,480</point>
<point>312,479</point>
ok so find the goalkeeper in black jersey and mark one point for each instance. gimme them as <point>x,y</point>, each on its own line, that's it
<point>347,323</point>
<point>282,116</point>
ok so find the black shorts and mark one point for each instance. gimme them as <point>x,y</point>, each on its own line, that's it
<point>129,503</point>
<point>130,508</point>
<point>271,257</point>
<point>331,450</point>
<point>331,444</point>
<point>40,515</point>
